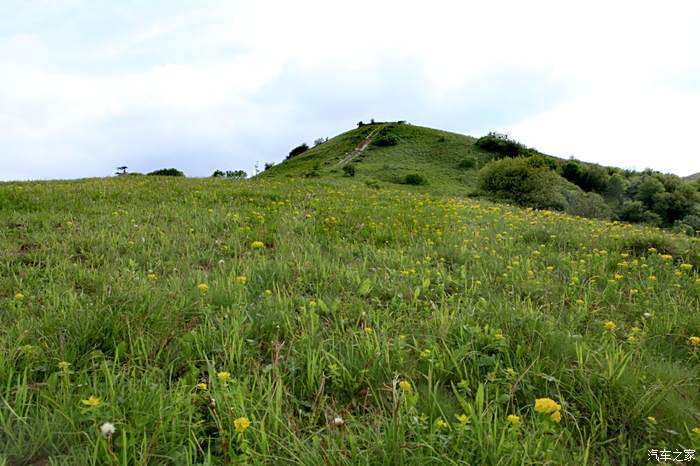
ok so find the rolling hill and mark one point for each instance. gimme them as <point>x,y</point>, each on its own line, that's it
<point>429,160</point>
<point>435,154</point>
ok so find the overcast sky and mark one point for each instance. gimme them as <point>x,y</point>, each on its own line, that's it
<point>88,85</point>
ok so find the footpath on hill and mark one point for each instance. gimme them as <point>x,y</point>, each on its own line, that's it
<point>359,149</point>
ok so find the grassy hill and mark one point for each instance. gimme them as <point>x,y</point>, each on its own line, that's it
<point>692,178</point>
<point>322,321</point>
<point>434,154</point>
<point>438,162</point>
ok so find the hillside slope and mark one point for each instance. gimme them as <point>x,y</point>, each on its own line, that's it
<point>434,154</point>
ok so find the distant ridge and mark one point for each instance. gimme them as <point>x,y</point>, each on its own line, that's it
<point>693,177</point>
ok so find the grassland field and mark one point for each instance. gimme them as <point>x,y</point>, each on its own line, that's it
<point>161,321</point>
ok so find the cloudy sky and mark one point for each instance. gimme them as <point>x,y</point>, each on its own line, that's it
<point>88,85</point>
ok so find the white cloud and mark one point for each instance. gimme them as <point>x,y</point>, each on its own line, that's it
<point>231,82</point>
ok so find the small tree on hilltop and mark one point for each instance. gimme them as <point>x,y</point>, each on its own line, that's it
<point>121,170</point>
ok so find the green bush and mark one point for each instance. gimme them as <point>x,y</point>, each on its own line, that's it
<point>583,204</point>
<point>300,149</point>
<point>501,145</point>
<point>414,179</point>
<point>349,170</point>
<point>467,164</point>
<point>385,140</point>
<point>517,180</point>
<point>542,161</point>
<point>166,172</point>
<point>587,177</point>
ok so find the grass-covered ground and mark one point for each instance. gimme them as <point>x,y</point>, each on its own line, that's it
<point>326,322</point>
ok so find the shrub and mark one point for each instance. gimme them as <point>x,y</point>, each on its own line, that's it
<point>300,149</point>
<point>587,177</point>
<point>414,179</point>
<point>217,174</point>
<point>635,211</point>
<point>166,172</point>
<point>542,161</point>
<point>583,204</point>
<point>236,174</point>
<point>500,145</point>
<point>515,179</point>
<point>467,164</point>
<point>349,170</point>
<point>319,141</point>
<point>385,140</point>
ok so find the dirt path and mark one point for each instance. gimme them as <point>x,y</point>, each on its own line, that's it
<point>360,148</point>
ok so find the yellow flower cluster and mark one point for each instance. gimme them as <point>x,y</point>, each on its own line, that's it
<point>241,424</point>
<point>548,406</point>
<point>92,402</point>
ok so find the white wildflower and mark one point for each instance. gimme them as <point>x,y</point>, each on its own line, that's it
<point>107,429</point>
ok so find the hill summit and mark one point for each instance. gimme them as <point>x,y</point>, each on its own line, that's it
<point>392,152</point>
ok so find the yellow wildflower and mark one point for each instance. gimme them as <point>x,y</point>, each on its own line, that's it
<point>695,341</point>
<point>241,424</point>
<point>369,330</point>
<point>152,277</point>
<point>580,302</point>
<point>546,405</point>
<point>666,257</point>
<point>19,297</point>
<point>201,386</point>
<point>203,288</point>
<point>610,325</point>
<point>686,266</point>
<point>651,419</point>
<point>224,376</point>
<point>556,416</point>
<point>441,424</point>
<point>257,245</point>
<point>241,279</point>
<point>462,418</point>
<point>513,419</point>
<point>92,402</point>
<point>405,386</point>
<point>696,430</point>
<point>63,365</point>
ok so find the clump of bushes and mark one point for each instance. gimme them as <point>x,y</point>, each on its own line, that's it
<point>385,138</point>
<point>166,172</point>
<point>414,179</point>
<point>300,149</point>
<point>522,181</point>
<point>501,145</point>
<point>349,170</point>
<point>234,175</point>
<point>588,177</point>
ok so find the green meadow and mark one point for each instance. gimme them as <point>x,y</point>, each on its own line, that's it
<point>174,321</point>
